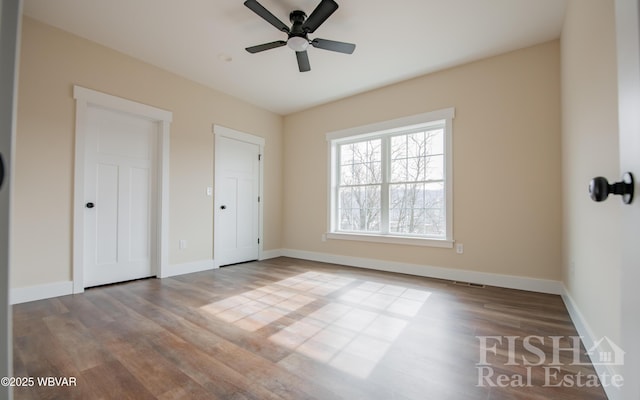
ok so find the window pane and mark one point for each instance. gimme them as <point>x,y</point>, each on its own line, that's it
<point>434,168</point>
<point>346,175</point>
<point>398,147</point>
<point>417,209</point>
<point>415,169</point>
<point>346,154</point>
<point>359,208</point>
<point>374,149</point>
<point>435,217</point>
<point>435,140</point>
<point>399,170</point>
<point>374,172</point>
<point>359,174</point>
<point>408,178</point>
<point>416,145</point>
<point>360,163</point>
<point>417,157</point>
<point>348,212</point>
<point>359,151</point>
<point>373,208</point>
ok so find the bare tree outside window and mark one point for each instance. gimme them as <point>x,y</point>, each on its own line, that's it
<point>390,182</point>
<point>416,189</point>
<point>415,184</point>
<point>360,186</point>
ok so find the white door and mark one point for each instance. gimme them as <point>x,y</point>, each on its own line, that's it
<point>628,46</point>
<point>237,201</point>
<point>119,191</point>
<point>10,14</point>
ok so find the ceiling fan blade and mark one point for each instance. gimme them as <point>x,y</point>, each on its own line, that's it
<point>303,61</point>
<point>257,8</point>
<point>319,15</point>
<point>332,45</point>
<point>266,46</point>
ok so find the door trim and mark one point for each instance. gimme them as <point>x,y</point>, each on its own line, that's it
<point>222,131</point>
<point>160,249</point>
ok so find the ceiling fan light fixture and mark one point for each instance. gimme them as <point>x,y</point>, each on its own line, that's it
<point>297,43</point>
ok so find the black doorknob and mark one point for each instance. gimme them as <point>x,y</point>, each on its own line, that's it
<point>600,189</point>
<point>90,205</point>
<point>223,207</point>
<point>1,170</point>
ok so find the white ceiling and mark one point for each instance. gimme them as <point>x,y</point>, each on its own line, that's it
<point>396,40</point>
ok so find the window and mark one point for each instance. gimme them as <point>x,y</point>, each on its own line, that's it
<point>391,182</point>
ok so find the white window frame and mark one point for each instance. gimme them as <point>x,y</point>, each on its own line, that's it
<point>383,129</point>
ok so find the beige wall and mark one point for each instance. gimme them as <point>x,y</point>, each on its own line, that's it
<point>591,238</point>
<point>506,140</point>
<point>52,61</point>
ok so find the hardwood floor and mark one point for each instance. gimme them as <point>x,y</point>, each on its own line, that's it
<point>292,329</point>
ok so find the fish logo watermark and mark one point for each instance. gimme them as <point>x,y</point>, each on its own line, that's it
<point>546,361</point>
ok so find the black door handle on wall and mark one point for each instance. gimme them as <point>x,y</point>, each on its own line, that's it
<point>600,189</point>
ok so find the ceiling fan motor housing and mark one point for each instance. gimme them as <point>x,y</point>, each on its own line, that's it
<point>297,17</point>
<point>298,40</point>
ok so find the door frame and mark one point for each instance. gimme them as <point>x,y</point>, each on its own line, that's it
<point>222,131</point>
<point>160,247</point>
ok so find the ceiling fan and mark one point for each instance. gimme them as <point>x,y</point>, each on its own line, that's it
<point>298,39</point>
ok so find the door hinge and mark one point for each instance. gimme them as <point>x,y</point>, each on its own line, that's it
<point>258,199</point>
<point>258,240</point>
<point>259,157</point>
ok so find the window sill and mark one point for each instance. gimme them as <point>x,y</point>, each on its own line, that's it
<point>413,241</point>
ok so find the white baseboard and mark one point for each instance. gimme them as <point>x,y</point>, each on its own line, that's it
<point>50,290</point>
<point>485,278</point>
<point>589,340</point>
<point>189,268</point>
<point>267,254</point>
<point>40,292</point>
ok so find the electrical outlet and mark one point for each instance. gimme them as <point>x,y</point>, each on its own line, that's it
<point>183,244</point>
<point>459,248</point>
<point>209,191</point>
<point>323,237</point>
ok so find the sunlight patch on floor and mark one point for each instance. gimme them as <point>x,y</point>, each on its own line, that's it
<point>260,307</point>
<point>351,334</point>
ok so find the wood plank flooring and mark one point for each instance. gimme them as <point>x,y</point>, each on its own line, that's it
<point>293,329</point>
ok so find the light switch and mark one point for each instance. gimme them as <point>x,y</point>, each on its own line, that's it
<point>209,191</point>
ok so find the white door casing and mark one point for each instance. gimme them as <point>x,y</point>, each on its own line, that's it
<point>238,191</point>
<point>90,103</point>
